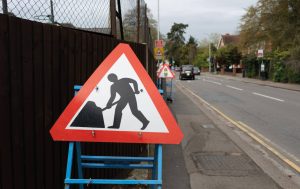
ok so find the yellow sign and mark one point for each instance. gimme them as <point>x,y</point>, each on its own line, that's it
<point>159,53</point>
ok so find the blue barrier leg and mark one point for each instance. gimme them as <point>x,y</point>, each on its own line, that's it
<point>79,166</point>
<point>159,164</point>
<point>157,169</point>
<point>154,169</point>
<point>69,163</point>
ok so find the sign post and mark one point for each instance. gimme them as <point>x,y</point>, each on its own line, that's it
<point>260,54</point>
<point>118,103</point>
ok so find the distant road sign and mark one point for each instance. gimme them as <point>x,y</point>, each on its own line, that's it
<point>260,53</point>
<point>159,43</point>
<point>118,103</point>
<point>165,72</point>
<point>159,53</point>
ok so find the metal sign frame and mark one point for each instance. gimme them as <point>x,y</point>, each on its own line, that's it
<point>112,162</point>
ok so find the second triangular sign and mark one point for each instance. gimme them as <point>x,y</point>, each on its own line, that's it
<point>165,72</point>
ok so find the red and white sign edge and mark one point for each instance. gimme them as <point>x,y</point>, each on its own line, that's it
<point>169,75</point>
<point>60,133</point>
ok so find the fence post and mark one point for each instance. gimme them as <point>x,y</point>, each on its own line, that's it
<point>4,6</point>
<point>52,12</point>
<point>147,58</point>
<point>113,22</point>
<point>120,19</point>
<point>138,21</point>
<point>145,25</point>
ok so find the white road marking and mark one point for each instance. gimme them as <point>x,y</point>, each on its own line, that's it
<point>212,82</point>
<point>277,99</point>
<point>213,78</point>
<point>232,87</point>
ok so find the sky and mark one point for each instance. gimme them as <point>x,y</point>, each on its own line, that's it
<point>203,16</point>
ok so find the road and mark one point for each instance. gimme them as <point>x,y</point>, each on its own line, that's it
<point>272,112</point>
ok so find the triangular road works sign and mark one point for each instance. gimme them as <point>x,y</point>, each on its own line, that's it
<point>165,72</point>
<point>118,103</point>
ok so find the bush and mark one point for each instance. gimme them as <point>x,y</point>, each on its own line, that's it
<point>293,76</point>
<point>281,66</point>
<point>250,65</point>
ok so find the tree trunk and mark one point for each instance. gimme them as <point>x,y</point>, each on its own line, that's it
<point>222,70</point>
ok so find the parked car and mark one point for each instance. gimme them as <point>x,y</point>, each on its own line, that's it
<point>177,69</point>
<point>186,72</point>
<point>196,70</point>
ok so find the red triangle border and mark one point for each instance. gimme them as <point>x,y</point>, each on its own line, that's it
<point>59,133</point>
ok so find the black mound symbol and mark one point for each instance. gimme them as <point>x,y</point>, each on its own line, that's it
<point>89,116</point>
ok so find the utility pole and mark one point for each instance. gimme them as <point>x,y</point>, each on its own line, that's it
<point>157,26</point>
<point>209,54</point>
<point>157,19</point>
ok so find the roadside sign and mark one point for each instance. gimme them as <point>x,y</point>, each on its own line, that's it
<point>165,72</point>
<point>159,43</point>
<point>260,53</point>
<point>159,53</point>
<point>118,103</point>
<point>262,67</point>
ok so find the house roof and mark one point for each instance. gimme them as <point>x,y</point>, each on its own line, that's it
<point>229,39</point>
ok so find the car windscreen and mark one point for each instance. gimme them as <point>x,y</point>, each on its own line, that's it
<point>187,68</point>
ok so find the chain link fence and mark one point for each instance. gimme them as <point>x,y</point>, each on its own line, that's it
<point>91,15</point>
<point>135,21</point>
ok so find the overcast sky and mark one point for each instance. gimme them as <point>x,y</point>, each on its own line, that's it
<point>202,16</point>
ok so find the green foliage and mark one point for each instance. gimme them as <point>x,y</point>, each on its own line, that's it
<point>228,55</point>
<point>175,45</point>
<point>274,25</point>
<point>251,65</point>
<point>271,21</point>
<point>201,58</point>
<point>192,49</point>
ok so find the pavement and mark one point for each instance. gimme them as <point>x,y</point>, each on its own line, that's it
<point>211,155</point>
<point>238,77</point>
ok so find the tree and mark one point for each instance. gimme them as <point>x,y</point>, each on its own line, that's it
<point>212,38</point>
<point>176,42</point>
<point>271,21</point>
<point>228,55</point>
<point>202,56</point>
<point>130,24</point>
<point>192,49</point>
<point>274,25</point>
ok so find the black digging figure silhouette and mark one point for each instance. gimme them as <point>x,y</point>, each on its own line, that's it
<point>127,96</point>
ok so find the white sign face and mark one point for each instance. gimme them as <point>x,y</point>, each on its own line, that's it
<point>262,67</point>
<point>260,53</point>
<point>122,100</point>
<point>165,72</point>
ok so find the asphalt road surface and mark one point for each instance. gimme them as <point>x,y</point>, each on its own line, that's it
<point>273,112</point>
